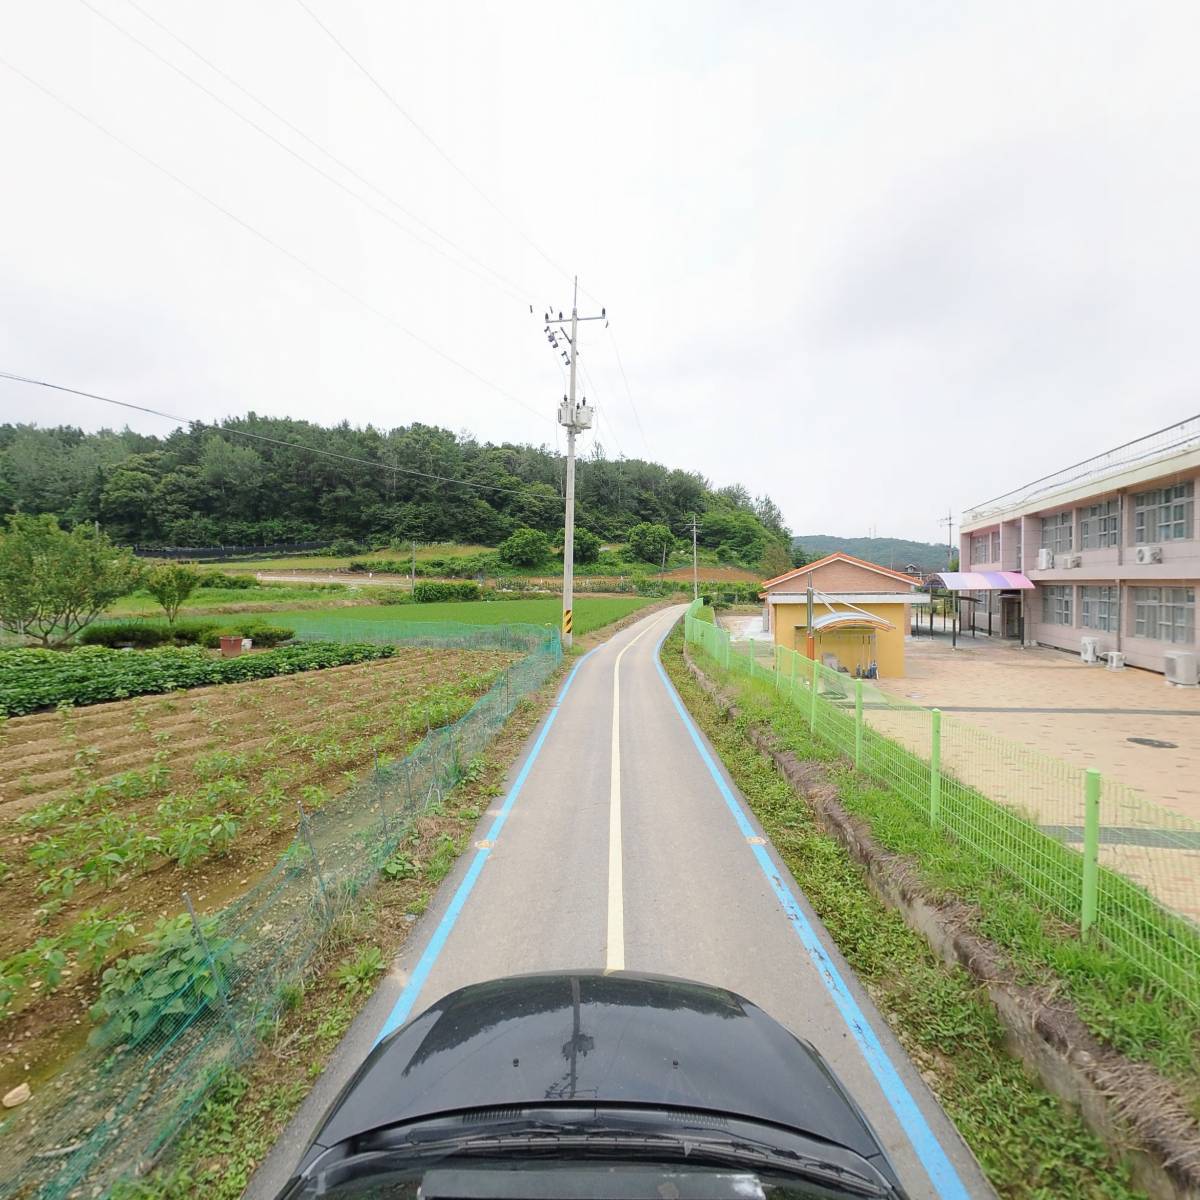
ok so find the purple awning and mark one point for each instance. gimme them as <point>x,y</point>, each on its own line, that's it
<point>982,581</point>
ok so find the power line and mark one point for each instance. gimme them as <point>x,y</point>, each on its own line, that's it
<point>327,279</point>
<point>261,437</point>
<point>516,290</point>
<point>428,137</point>
<point>628,389</point>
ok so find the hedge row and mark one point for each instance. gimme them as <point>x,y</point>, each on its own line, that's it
<point>34,679</point>
<point>143,634</point>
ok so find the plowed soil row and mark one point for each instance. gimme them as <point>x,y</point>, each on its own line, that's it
<point>316,730</point>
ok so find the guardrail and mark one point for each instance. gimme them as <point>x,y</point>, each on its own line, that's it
<point>1162,443</point>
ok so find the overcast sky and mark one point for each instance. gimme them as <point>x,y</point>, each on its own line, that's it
<point>876,260</point>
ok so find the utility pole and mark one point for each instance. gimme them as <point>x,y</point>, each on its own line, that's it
<point>948,521</point>
<point>575,418</point>
<point>695,570</point>
<point>413,580</point>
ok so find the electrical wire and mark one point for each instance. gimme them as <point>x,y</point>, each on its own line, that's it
<point>327,279</point>
<point>300,133</point>
<point>261,437</point>
<point>628,389</point>
<point>428,138</point>
<point>514,290</point>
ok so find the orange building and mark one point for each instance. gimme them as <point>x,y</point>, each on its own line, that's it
<point>861,613</point>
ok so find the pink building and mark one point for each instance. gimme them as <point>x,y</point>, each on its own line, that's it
<point>1112,546</point>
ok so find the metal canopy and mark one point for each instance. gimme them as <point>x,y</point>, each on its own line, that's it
<point>983,581</point>
<point>830,620</point>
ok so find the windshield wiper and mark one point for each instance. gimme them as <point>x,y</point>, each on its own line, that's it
<point>603,1143</point>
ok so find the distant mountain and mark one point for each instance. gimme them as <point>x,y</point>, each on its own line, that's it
<point>887,552</point>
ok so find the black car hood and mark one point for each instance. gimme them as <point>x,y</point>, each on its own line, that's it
<point>619,1039</point>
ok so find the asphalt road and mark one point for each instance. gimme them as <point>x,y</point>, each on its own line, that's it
<point>622,843</point>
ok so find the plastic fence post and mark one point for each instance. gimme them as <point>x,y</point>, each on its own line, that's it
<point>1091,849</point>
<point>306,833</point>
<point>795,657</point>
<point>812,699</point>
<point>858,724</point>
<point>935,767</point>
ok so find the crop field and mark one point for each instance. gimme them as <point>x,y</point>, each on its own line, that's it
<point>108,813</point>
<point>590,613</point>
<point>331,562</point>
<point>141,603</point>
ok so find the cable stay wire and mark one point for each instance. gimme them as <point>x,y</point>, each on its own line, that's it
<point>261,437</point>
<point>391,99</point>
<point>387,318</point>
<point>512,289</point>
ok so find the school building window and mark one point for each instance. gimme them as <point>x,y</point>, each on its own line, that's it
<point>1098,525</point>
<point>980,544</point>
<point>1056,604</point>
<point>1098,608</point>
<point>1167,614</point>
<point>1056,532</point>
<point>1163,515</point>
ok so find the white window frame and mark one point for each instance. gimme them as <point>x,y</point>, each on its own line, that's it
<point>1098,608</point>
<point>980,544</point>
<point>1058,532</point>
<point>1099,525</point>
<point>1164,614</point>
<point>1057,604</point>
<point>1164,514</point>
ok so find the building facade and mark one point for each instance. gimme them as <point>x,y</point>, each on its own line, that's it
<point>1112,546</point>
<point>861,613</point>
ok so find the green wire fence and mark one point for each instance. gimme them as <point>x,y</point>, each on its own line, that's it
<point>214,988</point>
<point>1091,851</point>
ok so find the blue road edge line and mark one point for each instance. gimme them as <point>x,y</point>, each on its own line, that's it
<point>416,981</point>
<point>929,1151</point>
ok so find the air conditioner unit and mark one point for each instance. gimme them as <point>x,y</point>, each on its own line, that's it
<point>1074,560</point>
<point>1045,560</point>
<point>1183,669</point>
<point>1087,649</point>
<point>1147,554</point>
<point>1116,660</point>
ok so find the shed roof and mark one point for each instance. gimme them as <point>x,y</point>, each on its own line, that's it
<point>841,556</point>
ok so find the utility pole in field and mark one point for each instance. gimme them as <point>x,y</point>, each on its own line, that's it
<point>575,418</point>
<point>948,521</point>
<point>695,569</point>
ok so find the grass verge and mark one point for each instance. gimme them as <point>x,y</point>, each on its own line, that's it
<point>219,1150</point>
<point>1114,1000</point>
<point>1030,1145</point>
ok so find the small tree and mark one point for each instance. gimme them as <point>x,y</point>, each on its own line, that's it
<point>649,542</point>
<point>54,583</point>
<point>776,560</point>
<point>525,548</point>
<point>171,583</point>
<point>587,545</point>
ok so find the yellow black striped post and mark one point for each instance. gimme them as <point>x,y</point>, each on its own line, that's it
<point>566,621</point>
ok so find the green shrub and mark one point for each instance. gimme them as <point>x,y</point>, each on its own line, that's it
<point>193,633</point>
<point>432,592</point>
<point>525,548</point>
<point>125,633</point>
<point>218,579</point>
<point>176,979</point>
<point>390,595</point>
<point>256,630</point>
